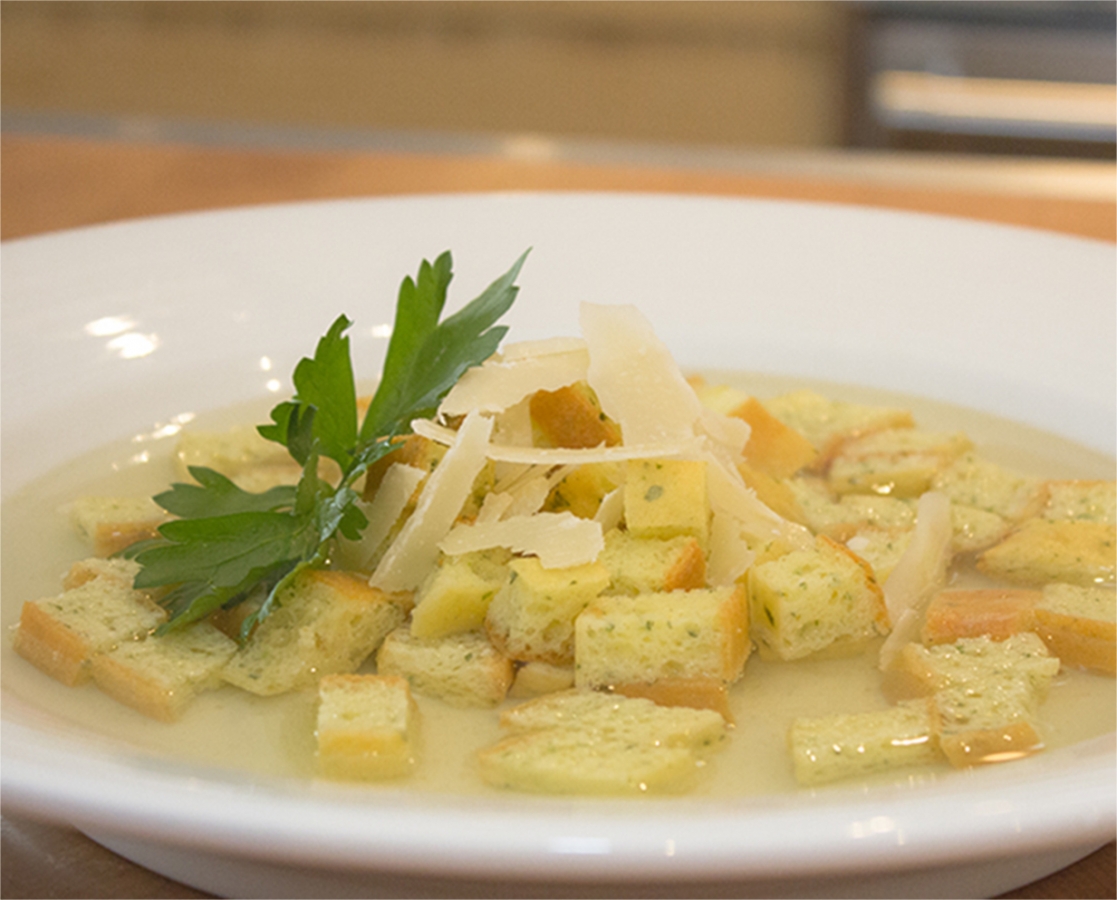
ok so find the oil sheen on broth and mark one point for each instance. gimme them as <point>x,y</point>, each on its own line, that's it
<point>274,736</point>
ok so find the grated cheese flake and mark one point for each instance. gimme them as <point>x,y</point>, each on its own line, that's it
<point>637,381</point>
<point>395,491</point>
<point>558,539</point>
<point>415,550</point>
<point>920,571</point>
<point>498,384</point>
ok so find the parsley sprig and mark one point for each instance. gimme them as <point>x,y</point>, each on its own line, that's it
<point>228,544</point>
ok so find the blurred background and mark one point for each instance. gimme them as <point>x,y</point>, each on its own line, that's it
<point>1018,78</point>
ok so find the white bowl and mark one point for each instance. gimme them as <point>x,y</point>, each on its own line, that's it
<point>1008,321</point>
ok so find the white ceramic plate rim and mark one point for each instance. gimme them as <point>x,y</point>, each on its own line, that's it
<point>914,280</point>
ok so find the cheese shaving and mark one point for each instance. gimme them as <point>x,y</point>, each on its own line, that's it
<point>415,550</point>
<point>392,496</point>
<point>498,384</point>
<point>729,556</point>
<point>920,571</point>
<point>558,539</point>
<point>637,381</point>
<point>681,449</point>
<point>544,347</point>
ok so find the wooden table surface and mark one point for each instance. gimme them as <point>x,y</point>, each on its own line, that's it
<point>50,182</point>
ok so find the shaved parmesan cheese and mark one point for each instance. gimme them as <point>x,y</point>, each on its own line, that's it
<point>730,496</point>
<point>636,379</point>
<point>729,555</point>
<point>545,347</point>
<point>920,572</point>
<point>415,550</point>
<point>685,448</point>
<point>611,511</point>
<point>496,385</point>
<point>558,539</point>
<point>395,491</point>
<point>493,507</point>
<point>728,433</point>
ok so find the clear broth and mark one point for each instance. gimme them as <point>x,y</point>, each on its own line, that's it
<point>234,730</point>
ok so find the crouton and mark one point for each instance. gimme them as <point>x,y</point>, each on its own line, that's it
<point>455,597</point>
<point>532,616</point>
<point>1042,551</point>
<point>162,674</point>
<point>814,599</point>
<point>973,481</point>
<point>831,748</point>
<point>368,727</point>
<point>647,565</point>
<point>61,635</point>
<point>462,669</point>
<point>840,517</point>
<point>682,634</point>
<point>984,694</point>
<point>773,448</point>
<point>996,612</point>
<point>881,548</point>
<point>828,424</point>
<point>695,692</point>
<point>583,742</point>
<point>975,529</point>
<point>572,417</point>
<point>666,498</point>
<point>775,493</point>
<point>1084,501</point>
<point>325,623</point>
<point>898,462</point>
<point>1079,625</point>
<point>109,524</point>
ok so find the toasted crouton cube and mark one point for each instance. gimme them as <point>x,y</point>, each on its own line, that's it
<point>109,524</point>
<point>665,498</point>
<point>973,481</point>
<point>645,565</point>
<point>325,623</point>
<point>461,669</point>
<point>975,529</point>
<point>697,693</point>
<point>1087,501</point>
<point>984,693</point>
<point>61,635</point>
<point>160,675</point>
<point>920,671</point>
<point>532,617</point>
<point>368,727</point>
<point>773,447</point>
<point>534,679</point>
<point>115,568</point>
<point>582,742</point>
<point>828,424</point>
<point>1079,625</point>
<point>881,548</point>
<point>810,600</point>
<point>775,493</point>
<point>682,634</point>
<point>840,517</point>
<point>831,748</point>
<point>456,596</point>
<point>1042,551</point>
<point>572,417</point>
<point>898,462</point>
<point>996,612</point>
